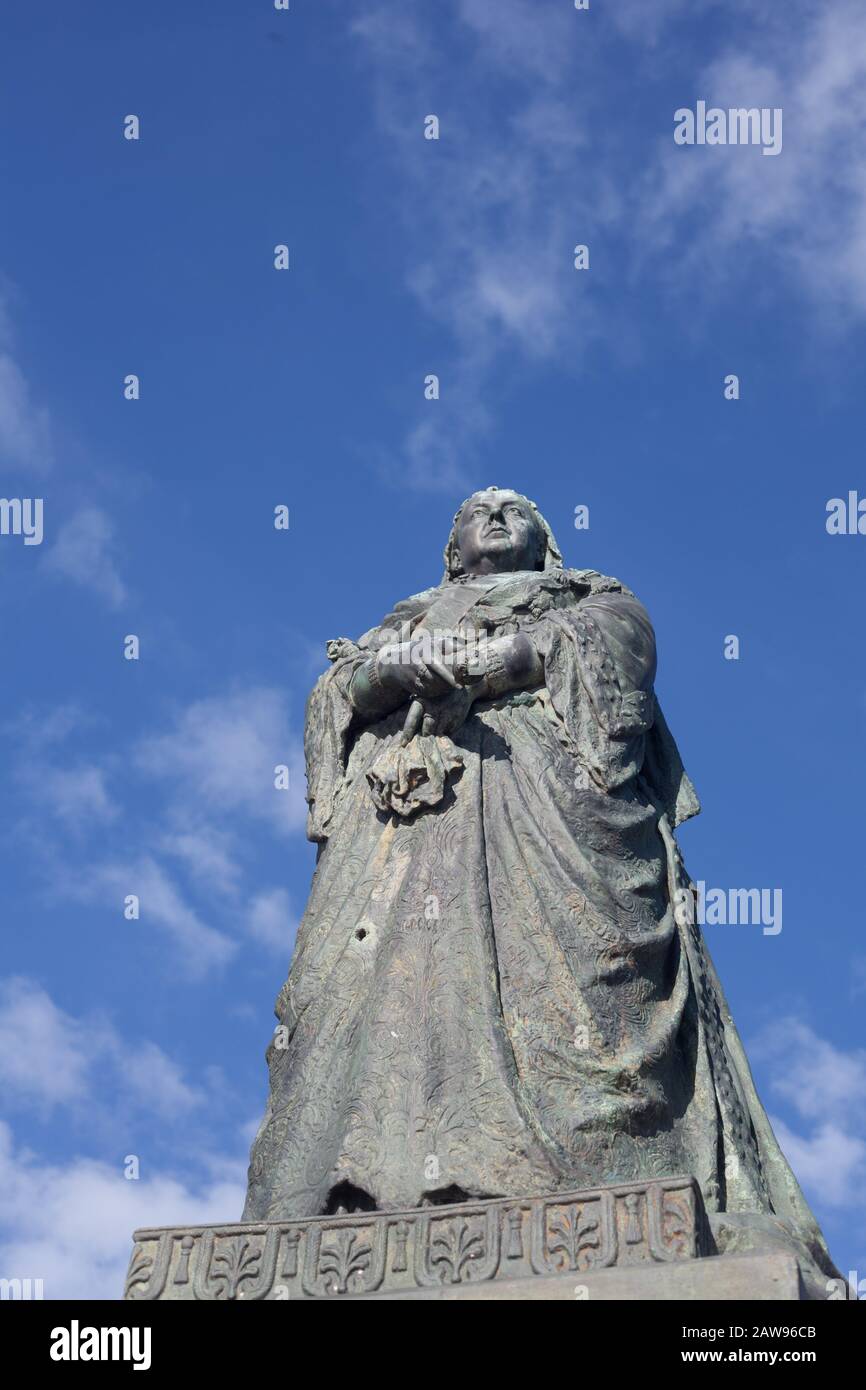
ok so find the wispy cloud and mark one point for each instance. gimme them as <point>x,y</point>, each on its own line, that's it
<point>199,779</point>
<point>829,1162</point>
<point>208,854</point>
<point>515,39</point>
<point>200,947</point>
<point>493,209</point>
<point>25,427</point>
<point>77,795</point>
<point>71,1223</point>
<point>221,754</point>
<point>804,211</point>
<point>825,1087</point>
<point>643,23</point>
<point>25,431</point>
<point>85,553</point>
<point>819,1080</point>
<point>494,263</point>
<point>81,547</point>
<point>271,921</point>
<point>35,1032</point>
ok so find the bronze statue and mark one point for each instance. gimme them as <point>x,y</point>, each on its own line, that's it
<point>494,991</point>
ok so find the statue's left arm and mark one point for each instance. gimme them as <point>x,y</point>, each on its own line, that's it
<point>332,713</point>
<point>617,661</point>
<point>599,666</point>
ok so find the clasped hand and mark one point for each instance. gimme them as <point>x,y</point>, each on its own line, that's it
<point>405,666</point>
<point>449,682</point>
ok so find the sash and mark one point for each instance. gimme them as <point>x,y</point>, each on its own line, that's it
<point>450,608</point>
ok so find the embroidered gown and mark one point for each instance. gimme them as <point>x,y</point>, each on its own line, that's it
<point>491,993</point>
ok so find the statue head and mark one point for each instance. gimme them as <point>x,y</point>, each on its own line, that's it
<point>497,531</point>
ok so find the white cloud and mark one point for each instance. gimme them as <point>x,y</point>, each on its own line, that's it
<point>155,1081</point>
<point>642,22</point>
<point>819,1080</point>
<point>201,948</point>
<point>436,450</point>
<point>828,1162</point>
<point>270,920</point>
<point>221,755</point>
<point>25,435</point>
<point>84,553</point>
<point>81,792</point>
<point>207,853</point>
<point>394,35</point>
<point>216,763</point>
<point>39,728</point>
<point>804,210</point>
<point>77,795</point>
<point>71,1224</point>
<point>72,791</point>
<point>826,1087</point>
<point>492,210</point>
<point>537,145</point>
<point>34,1036</point>
<point>515,38</point>
<point>50,1059</point>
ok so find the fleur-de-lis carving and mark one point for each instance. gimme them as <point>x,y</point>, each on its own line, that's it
<point>232,1267</point>
<point>575,1233</point>
<point>344,1258</point>
<point>452,1248</point>
<point>140,1268</point>
<point>675,1225</point>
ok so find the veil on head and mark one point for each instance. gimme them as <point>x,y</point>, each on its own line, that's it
<point>551,554</point>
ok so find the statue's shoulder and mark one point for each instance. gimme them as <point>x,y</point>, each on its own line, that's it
<point>587,582</point>
<point>418,602</point>
<point>409,608</point>
<point>616,607</point>
<point>393,623</point>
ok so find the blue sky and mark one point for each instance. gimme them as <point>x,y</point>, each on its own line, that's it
<point>305,388</point>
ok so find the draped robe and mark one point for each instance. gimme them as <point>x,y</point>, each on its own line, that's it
<point>497,993</point>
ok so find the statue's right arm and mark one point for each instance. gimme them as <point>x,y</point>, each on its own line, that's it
<point>391,676</point>
<point>372,693</point>
<point>392,672</point>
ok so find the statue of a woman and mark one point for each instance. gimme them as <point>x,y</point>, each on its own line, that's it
<point>499,988</point>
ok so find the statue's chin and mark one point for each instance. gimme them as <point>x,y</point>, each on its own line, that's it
<point>493,567</point>
<point>499,558</point>
<point>508,564</point>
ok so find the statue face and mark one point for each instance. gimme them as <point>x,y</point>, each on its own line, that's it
<point>497,532</point>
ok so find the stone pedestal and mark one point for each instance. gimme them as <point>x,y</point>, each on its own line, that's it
<point>643,1240</point>
<point>719,1278</point>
